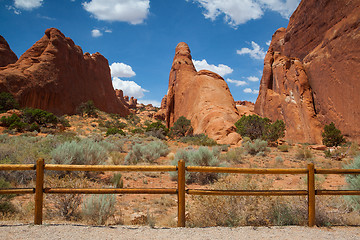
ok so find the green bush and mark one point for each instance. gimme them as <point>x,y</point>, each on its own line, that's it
<point>199,140</point>
<point>13,122</point>
<point>117,180</point>
<point>113,131</point>
<point>41,117</point>
<point>198,157</point>
<point>83,152</point>
<point>283,148</point>
<point>99,208</point>
<point>133,119</point>
<point>137,130</point>
<point>332,136</point>
<point>257,147</point>
<point>303,153</point>
<point>256,127</point>
<point>7,102</point>
<point>146,152</point>
<point>234,155</point>
<point>157,129</point>
<point>87,108</point>
<point>353,183</point>
<point>182,127</point>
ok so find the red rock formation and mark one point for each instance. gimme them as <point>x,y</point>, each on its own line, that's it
<point>161,114</point>
<point>132,103</point>
<point>245,107</point>
<point>56,76</point>
<point>7,56</point>
<point>311,71</point>
<point>203,97</point>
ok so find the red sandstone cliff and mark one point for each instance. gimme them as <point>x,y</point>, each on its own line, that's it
<point>7,56</point>
<point>203,97</point>
<point>56,76</point>
<point>312,69</point>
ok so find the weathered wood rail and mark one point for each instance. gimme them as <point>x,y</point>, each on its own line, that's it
<point>181,190</point>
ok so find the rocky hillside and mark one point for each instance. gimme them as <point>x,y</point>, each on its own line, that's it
<point>56,76</point>
<point>311,71</point>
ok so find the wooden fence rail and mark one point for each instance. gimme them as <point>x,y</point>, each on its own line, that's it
<point>181,190</point>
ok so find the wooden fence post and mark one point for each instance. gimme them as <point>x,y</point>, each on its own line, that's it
<point>311,195</point>
<point>39,190</point>
<point>181,193</point>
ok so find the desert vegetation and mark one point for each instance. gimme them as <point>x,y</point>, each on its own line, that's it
<point>110,139</point>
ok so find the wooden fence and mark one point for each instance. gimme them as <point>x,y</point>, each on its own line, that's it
<point>181,190</point>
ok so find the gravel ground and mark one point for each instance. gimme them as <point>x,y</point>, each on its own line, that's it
<point>72,231</point>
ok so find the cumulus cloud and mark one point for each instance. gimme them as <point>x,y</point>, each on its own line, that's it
<point>249,90</point>
<point>220,69</point>
<point>155,103</point>
<point>130,88</point>
<point>256,52</point>
<point>121,70</point>
<point>237,12</point>
<point>236,82</point>
<point>131,11</point>
<point>268,42</point>
<point>27,4</point>
<point>96,33</point>
<point>253,79</point>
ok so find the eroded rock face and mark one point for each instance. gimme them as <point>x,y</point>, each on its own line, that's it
<point>56,76</point>
<point>311,71</point>
<point>203,97</point>
<point>7,56</point>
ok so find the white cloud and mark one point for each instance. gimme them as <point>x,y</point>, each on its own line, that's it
<point>28,4</point>
<point>256,52</point>
<point>236,82</point>
<point>268,42</point>
<point>131,11</point>
<point>155,103</point>
<point>253,79</point>
<point>240,11</point>
<point>249,90</point>
<point>121,70</point>
<point>96,33</point>
<point>220,69</point>
<point>130,88</point>
<point>108,31</point>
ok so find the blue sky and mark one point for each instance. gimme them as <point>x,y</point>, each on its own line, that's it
<point>138,37</point>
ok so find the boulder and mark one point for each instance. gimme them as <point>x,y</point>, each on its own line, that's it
<point>7,56</point>
<point>311,71</point>
<point>202,97</point>
<point>56,76</point>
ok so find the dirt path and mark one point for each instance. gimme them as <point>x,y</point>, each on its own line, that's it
<point>66,231</point>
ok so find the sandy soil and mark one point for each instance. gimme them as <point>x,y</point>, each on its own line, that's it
<point>65,231</point>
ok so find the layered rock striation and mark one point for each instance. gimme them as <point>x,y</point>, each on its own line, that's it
<point>203,97</point>
<point>56,76</point>
<point>311,71</point>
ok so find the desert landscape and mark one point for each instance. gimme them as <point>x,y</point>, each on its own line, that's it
<point>61,105</point>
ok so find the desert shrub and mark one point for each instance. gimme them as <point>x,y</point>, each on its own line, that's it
<point>282,213</point>
<point>113,131</point>
<point>112,124</point>
<point>354,149</point>
<point>117,180</point>
<point>83,152</point>
<point>146,152</point>
<point>157,129</point>
<point>182,127</point>
<point>353,183</point>
<point>303,153</point>
<point>99,208</point>
<point>41,117</point>
<point>137,130</point>
<point>257,147</point>
<point>13,122</point>
<point>234,155</point>
<point>7,102</point>
<point>5,205</point>
<point>283,148</point>
<point>133,119</point>
<point>279,160</point>
<point>34,127</point>
<point>87,108</point>
<point>332,136</point>
<point>256,127</point>
<point>198,157</point>
<point>64,121</point>
<point>199,140</point>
